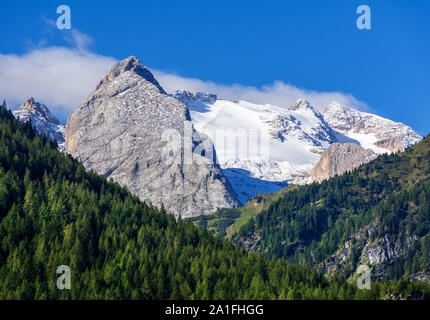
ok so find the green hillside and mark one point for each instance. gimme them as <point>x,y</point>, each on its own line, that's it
<point>226,222</point>
<point>53,212</point>
<point>378,215</point>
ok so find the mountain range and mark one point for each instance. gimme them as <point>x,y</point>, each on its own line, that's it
<point>285,144</point>
<point>126,126</point>
<point>330,189</point>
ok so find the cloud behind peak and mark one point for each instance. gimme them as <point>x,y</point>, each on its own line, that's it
<point>61,78</point>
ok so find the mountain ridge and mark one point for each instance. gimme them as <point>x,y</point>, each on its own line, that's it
<point>296,139</point>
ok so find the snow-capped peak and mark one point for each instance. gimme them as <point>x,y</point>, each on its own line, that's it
<point>31,106</point>
<point>42,120</point>
<point>369,130</point>
<point>341,117</point>
<point>300,104</point>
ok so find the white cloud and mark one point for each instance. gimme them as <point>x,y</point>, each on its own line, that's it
<point>59,77</point>
<point>278,93</point>
<point>78,39</point>
<point>63,77</point>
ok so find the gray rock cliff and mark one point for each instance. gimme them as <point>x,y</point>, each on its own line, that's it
<point>339,158</point>
<point>130,130</point>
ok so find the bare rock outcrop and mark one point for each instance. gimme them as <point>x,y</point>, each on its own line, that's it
<point>339,158</point>
<point>130,130</point>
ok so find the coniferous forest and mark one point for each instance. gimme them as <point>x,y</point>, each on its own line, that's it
<point>53,212</point>
<point>384,201</point>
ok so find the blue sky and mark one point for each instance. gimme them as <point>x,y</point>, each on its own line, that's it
<point>309,45</point>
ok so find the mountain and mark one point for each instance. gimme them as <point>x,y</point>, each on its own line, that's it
<point>262,148</point>
<point>377,215</point>
<point>42,120</point>
<point>53,212</point>
<point>130,130</point>
<point>248,148</point>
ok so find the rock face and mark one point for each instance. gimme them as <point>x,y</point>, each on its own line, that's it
<point>42,120</point>
<point>130,130</point>
<point>378,253</point>
<point>340,158</point>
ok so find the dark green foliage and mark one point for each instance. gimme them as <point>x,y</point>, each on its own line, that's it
<point>53,212</point>
<point>226,222</point>
<point>311,223</point>
<point>218,222</point>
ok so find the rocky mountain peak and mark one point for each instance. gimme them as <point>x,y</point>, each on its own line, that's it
<point>34,107</point>
<point>300,104</point>
<point>28,104</point>
<point>131,131</point>
<point>130,64</point>
<point>42,120</point>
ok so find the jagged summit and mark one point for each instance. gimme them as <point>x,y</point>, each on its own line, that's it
<point>41,118</point>
<point>39,109</point>
<point>130,64</point>
<point>131,131</point>
<point>300,104</point>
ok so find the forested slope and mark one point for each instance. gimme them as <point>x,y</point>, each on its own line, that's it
<point>378,215</point>
<point>226,221</point>
<point>53,212</point>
